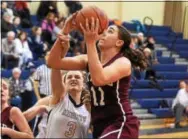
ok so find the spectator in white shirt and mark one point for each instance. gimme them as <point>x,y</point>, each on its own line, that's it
<point>8,50</point>
<point>22,48</point>
<point>180,104</point>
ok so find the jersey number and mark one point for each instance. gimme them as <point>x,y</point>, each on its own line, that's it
<point>71,129</point>
<point>101,102</point>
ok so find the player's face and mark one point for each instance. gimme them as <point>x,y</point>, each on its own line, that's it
<point>4,92</point>
<point>109,37</point>
<point>74,81</point>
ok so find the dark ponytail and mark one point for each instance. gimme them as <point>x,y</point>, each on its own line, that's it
<point>136,57</point>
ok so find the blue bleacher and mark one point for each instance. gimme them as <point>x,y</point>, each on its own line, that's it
<point>129,26</point>
<point>154,103</point>
<point>170,67</point>
<point>182,41</point>
<point>158,53</point>
<point>160,28</point>
<point>152,93</point>
<point>146,84</point>
<point>162,112</point>
<point>183,54</point>
<point>158,33</point>
<point>149,103</point>
<point>165,60</point>
<point>163,40</point>
<point>174,75</point>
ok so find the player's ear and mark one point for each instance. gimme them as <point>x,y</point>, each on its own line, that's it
<point>119,43</point>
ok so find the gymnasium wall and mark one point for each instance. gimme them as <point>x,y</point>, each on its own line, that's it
<point>124,11</point>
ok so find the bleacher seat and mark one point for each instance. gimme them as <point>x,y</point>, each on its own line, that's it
<point>149,103</point>
<point>152,93</point>
<point>160,28</point>
<point>165,60</point>
<point>183,54</point>
<point>174,75</point>
<point>159,53</point>
<point>154,102</point>
<point>182,41</point>
<point>146,84</point>
<point>129,26</point>
<point>162,112</point>
<point>158,33</point>
<point>170,67</point>
<point>163,40</point>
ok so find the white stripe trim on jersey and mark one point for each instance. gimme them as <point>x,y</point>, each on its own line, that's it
<point>110,133</point>
<point>124,118</point>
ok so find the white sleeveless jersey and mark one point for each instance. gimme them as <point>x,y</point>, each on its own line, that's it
<point>68,120</point>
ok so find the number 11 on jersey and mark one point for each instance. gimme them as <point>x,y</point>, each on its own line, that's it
<point>101,102</point>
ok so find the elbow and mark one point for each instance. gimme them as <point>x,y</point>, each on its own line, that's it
<point>98,82</point>
<point>51,63</point>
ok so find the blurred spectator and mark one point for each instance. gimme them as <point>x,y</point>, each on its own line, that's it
<point>8,51</point>
<point>16,86</point>
<point>22,10</point>
<point>73,6</point>
<point>182,84</point>
<point>46,7</point>
<point>22,48</point>
<point>11,4</point>
<point>48,25</point>
<point>139,26</point>
<point>16,25</point>
<point>36,43</point>
<point>58,28</point>
<point>6,24</point>
<point>76,40</point>
<point>140,39</point>
<point>150,72</point>
<point>150,43</point>
<point>42,84</point>
<point>180,104</point>
<point>134,41</point>
<point>5,9</point>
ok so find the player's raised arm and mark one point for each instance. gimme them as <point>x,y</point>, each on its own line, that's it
<point>61,47</point>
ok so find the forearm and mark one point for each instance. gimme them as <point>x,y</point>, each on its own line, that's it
<point>58,89</point>
<point>17,134</point>
<point>94,63</point>
<point>36,90</point>
<point>57,52</point>
<point>32,112</point>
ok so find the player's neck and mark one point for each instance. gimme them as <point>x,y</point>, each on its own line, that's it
<point>107,55</point>
<point>76,96</point>
<point>4,106</point>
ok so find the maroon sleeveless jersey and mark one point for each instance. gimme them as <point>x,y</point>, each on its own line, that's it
<point>5,118</point>
<point>110,102</point>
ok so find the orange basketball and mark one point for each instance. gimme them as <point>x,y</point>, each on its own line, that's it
<point>89,12</point>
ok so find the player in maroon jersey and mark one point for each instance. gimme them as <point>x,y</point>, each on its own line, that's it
<point>12,117</point>
<point>109,76</point>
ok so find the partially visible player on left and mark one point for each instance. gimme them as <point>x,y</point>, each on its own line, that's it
<point>13,122</point>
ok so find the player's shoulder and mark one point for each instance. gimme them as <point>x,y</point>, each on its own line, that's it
<point>122,61</point>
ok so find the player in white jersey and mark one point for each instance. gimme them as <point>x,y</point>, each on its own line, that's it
<point>70,117</point>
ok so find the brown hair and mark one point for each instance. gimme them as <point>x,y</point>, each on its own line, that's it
<point>136,56</point>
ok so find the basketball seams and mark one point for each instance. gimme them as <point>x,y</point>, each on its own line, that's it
<point>97,17</point>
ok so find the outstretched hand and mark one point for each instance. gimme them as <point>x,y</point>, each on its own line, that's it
<point>91,31</point>
<point>70,24</point>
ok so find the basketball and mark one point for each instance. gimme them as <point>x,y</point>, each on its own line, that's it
<point>88,13</point>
